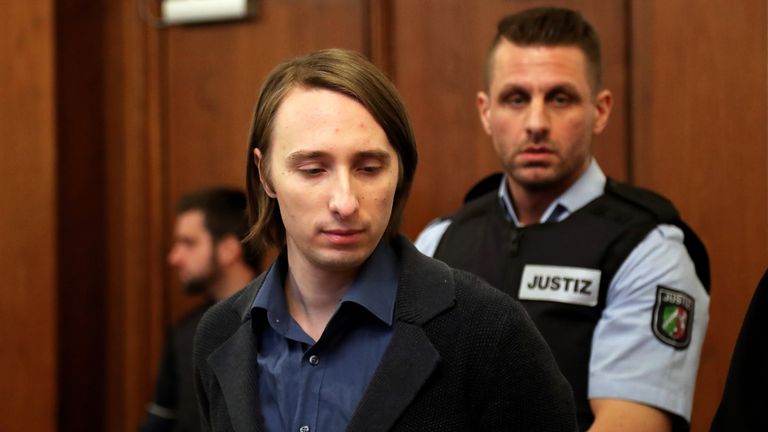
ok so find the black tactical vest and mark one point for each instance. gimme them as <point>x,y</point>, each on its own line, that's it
<point>598,236</point>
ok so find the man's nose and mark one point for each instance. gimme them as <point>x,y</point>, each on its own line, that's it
<point>537,123</point>
<point>174,256</point>
<point>343,201</point>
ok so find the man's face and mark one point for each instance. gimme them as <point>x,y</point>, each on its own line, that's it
<point>193,252</point>
<point>541,113</point>
<point>334,175</point>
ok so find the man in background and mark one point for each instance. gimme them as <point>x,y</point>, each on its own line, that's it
<point>211,261</point>
<point>604,269</point>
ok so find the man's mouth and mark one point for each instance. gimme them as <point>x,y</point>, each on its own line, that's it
<point>343,236</point>
<point>535,156</point>
<point>536,149</point>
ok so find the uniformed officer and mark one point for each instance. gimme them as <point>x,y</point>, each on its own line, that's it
<point>607,271</point>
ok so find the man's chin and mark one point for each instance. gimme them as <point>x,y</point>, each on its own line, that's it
<point>341,261</point>
<point>195,286</point>
<point>536,178</point>
<point>540,185</point>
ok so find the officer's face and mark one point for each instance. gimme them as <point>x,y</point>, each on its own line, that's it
<point>334,175</point>
<point>540,113</point>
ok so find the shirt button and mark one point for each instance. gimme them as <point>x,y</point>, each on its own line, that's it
<point>304,428</point>
<point>313,360</point>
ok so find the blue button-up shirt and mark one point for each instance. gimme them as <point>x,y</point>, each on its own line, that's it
<point>308,386</point>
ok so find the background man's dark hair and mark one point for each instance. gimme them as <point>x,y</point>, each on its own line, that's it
<point>224,213</point>
<point>549,27</point>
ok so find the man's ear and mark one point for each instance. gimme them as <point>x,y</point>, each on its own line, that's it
<point>603,105</point>
<point>258,159</point>
<point>229,250</point>
<point>483,108</point>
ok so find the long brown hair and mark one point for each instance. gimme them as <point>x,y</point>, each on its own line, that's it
<point>345,72</point>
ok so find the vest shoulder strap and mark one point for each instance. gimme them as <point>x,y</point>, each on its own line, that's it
<point>477,207</point>
<point>657,205</point>
<point>488,184</point>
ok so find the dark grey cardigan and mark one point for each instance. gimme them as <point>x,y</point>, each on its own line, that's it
<point>463,356</point>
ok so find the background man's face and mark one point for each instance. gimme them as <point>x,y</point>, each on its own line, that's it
<point>192,254</point>
<point>334,175</point>
<point>541,114</point>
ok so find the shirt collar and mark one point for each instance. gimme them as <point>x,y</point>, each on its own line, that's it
<point>374,288</point>
<point>589,186</point>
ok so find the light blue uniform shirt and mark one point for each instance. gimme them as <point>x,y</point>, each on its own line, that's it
<point>628,362</point>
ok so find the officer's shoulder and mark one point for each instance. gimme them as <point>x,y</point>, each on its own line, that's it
<point>657,205</point>
<point>665,212</point>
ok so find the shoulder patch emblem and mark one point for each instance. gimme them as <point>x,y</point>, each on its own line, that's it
<point>672,317</point>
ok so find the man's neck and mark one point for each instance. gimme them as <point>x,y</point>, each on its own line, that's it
<point>313,294</point>
<point>529,204</point>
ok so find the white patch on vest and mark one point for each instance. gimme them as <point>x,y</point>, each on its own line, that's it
<point>574,285</point>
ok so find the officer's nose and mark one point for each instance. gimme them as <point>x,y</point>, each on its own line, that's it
<point>537,122</point>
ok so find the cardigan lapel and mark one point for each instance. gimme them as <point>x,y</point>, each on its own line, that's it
<point>407,363</point>
<point>235,365</point>
<point>425,289</point>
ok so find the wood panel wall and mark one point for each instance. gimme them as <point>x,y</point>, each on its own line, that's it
<point>28,312</point>
<point>141,115</point>
<point>700,119</point>
<point>81,208</point>
<point>132,213</point>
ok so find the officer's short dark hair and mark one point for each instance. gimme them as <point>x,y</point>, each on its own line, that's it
<point>548,26</point>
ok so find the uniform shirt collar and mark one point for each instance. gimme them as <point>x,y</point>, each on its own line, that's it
<point>589,186</point>
<point>374,288</point>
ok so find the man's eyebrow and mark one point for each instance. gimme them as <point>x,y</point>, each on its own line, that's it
<point>513,88</point>
<point>302,155</point>
<point>564,87</point>
<point>373,154</point>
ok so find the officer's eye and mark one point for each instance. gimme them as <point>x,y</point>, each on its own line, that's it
<point>561,99</point>
<point>515,99</point>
